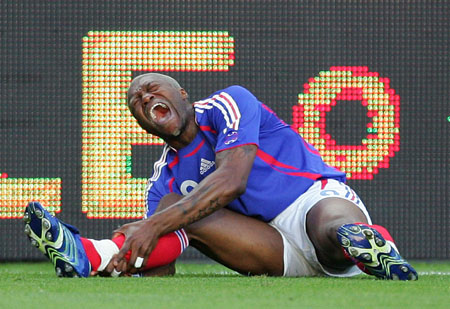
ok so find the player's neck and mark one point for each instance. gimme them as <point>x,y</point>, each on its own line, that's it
<point>186,136</point>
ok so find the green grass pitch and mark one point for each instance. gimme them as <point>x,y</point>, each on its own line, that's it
<point>34,285</point>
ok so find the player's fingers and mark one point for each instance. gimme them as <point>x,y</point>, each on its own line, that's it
<point>147,252</point>
<point>116,234</point>
<point>120,268</point>
<point>136,260</point>
<point>110,267</point>
<point>139,254</point>
<point>144,252</point>
<point>132,270</point>
<point>120,257</point>
<point>120,230</point>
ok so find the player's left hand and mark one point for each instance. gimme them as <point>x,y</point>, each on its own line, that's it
<point>140,238</point>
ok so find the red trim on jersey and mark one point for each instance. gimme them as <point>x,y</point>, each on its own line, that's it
<point>193,152</point>
<point>171,184</point>
<point>324,183</point>
<point>311,176</point>
<point>307,146</point>
<point>174,162</point>
<point>274,164</point>
<point>273,113</point>
<point>271,160</point>
<point>207,128</point>
<point>236,147</point>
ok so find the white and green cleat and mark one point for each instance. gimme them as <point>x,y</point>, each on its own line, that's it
<point>59,241</point>
<point>374,254</point>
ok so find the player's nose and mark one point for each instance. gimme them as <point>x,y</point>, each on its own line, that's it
<point>146,98</point>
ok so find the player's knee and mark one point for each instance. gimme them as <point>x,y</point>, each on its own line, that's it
<point>169,199</point>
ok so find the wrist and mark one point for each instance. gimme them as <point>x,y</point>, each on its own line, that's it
<point>156,222</point>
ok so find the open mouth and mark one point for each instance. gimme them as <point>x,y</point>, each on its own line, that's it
<point>159,112</point>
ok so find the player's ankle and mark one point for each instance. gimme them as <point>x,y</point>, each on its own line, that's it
<point>99,252</point>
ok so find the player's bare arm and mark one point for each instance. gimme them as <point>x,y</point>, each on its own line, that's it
<point>221,187</point>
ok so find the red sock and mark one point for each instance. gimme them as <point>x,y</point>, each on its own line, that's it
<point>168,248</point>
<point>91,253</point>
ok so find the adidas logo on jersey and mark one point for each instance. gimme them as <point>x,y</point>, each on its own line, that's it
<point>205,165</point>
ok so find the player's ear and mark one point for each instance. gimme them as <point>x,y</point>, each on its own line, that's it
<point>184,94</point>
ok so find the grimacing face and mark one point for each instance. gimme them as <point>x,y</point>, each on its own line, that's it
<point>159,105</point>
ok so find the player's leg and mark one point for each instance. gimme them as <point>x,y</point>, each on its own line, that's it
<point>241,243</point>
<point>341,235</point>
<point>244,244</point>
<point>322,223</point>
<point>75,256</point>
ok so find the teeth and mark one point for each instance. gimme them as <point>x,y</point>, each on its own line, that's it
<point>153,108</point>
<point>27,229</point>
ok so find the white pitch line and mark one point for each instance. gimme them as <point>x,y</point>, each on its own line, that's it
<point>440,273</point>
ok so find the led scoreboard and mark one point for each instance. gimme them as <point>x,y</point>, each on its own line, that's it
<point>364,82</point>
<point>109,130</point>
<point>341,84</point>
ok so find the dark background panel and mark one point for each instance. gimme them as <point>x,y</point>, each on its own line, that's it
<point>279,46</point>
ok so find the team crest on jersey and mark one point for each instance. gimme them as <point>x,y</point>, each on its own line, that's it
<point>205,165</point>
<point>231,137</point>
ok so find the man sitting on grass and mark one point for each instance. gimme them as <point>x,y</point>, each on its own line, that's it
<point>238,184</point>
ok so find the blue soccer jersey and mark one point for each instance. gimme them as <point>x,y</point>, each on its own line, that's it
<point>285,165</point>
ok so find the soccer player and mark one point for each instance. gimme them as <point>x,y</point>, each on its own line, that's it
<point>246,189</point>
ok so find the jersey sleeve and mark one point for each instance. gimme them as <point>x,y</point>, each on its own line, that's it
<point>155,191</point>
<point>158,184</point>
<point>234,114</point>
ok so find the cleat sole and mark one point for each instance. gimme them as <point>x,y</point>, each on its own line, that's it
<point>58,241</point>
<point>27,229</point>
<point>26,217</point>
<point>46,224</point>
<point>48,236</point>
<point>379,257</point>
<point>368,234</point>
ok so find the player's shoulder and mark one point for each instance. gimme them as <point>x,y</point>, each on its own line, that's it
<point>237,91</point>
<point>235,95</point>
<point>228,101</point>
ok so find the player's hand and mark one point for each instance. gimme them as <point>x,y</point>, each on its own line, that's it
<point>141,238</point>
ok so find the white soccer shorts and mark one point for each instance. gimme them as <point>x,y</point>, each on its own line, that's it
<point>299,254</point>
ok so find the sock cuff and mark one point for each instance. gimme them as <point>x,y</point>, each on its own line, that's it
<point>106,248</point>
<point>184,240</point>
